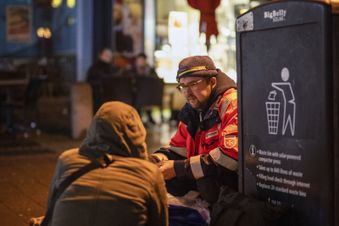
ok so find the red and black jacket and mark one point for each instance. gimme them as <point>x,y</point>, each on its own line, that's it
<point>206,142</point>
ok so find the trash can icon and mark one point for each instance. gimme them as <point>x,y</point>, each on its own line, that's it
<point>272,112</point>
<point>273,109</point>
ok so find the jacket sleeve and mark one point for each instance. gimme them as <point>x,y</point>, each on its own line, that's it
<point>223,158</point>
<point>176,150</point>
<point>158,212</point>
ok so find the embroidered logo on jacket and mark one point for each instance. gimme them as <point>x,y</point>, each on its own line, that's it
<point>230,141</point>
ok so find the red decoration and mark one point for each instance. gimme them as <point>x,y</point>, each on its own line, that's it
<point>208,23</point>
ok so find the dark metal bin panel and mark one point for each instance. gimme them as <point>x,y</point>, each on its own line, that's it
<point>286,107</point>
<point>335,25</point>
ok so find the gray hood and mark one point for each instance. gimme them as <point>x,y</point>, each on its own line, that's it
<point>116,129</point>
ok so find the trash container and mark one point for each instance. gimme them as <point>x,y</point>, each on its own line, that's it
<point>288,105</point>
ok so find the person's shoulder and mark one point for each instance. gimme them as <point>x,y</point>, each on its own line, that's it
<point>153,72</point>
<point>128,71</point>
<point>229,95</point>
<point>228,98</point>
<point>141,165</point>
<point>92,71</point>
<point>72,155</point>
<point>143,162</point>
<point>95,65</point>
<point>68,153</point>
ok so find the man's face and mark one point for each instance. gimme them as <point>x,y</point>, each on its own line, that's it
<point>140,62</point>
<point>197,90</point>
<point>140,65</point>
<point>106,56</point>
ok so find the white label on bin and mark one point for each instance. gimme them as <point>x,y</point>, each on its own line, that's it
<point>275,15</point>
<point>281,110</point>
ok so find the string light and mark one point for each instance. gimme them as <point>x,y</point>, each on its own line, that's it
<point>44,32</point>
<point>56,3</point>
<point>71,3</point>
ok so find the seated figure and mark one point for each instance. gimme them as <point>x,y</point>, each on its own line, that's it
<point>140,70</point>
<point>129,191</point>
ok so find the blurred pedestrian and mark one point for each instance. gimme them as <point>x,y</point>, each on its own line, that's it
<point>141,68</point>
<point>101,68</point>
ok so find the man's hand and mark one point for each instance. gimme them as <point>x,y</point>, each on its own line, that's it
<point>167,169</point>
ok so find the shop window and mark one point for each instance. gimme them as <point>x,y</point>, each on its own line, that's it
<point>127,30</point>
<point>177,35</point>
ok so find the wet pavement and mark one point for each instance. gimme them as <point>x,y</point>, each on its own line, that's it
<point>26,168</point>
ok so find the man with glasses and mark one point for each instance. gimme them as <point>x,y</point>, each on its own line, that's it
<point>203,153</point>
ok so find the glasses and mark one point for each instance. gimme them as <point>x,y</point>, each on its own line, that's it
<point>194,85</point>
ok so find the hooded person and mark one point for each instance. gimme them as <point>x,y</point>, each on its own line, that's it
<point>130,191</point>
<point>203,153</point>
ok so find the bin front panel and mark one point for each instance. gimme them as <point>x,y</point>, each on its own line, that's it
<point>286,109</point>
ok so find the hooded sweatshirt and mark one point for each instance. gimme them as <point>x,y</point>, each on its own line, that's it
<point>129,192</point>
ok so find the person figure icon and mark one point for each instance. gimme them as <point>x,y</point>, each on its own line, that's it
<point>289,105</point>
